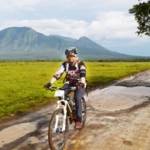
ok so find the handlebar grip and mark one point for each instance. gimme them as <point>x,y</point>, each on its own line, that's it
<point>53,88</point>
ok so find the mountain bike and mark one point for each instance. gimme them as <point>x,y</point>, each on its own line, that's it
<point>62,117</point>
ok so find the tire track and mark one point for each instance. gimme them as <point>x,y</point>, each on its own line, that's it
<point>118,119</point>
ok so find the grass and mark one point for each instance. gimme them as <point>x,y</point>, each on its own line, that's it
<point>21,83</point>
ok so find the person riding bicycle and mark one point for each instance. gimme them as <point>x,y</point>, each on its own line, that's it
<point>75,75</point>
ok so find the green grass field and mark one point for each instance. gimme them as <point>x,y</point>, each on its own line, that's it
<point>21,83</point>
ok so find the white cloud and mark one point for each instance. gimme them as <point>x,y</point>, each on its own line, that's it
<point>107,25</point>
<point>117,3</point>
<point>20,3</point>
<point>105,2</point>
<point>65,6</point>
<point>113,24</point>
<point>106,21</point>
<point>25,5</point>
<point>72,28</point>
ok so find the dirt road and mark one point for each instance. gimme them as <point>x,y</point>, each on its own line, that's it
<point>118,119</point>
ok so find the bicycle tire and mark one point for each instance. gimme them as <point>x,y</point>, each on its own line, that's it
<point>50,130</point>
<point>84,112</point>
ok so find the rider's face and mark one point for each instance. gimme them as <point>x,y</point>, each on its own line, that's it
<point>72,58</point>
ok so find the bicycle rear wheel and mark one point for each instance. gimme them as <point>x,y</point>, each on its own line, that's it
<point>83,102</point>
<point>56,134</point>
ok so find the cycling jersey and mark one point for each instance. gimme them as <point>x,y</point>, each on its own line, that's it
<point>73,71</point>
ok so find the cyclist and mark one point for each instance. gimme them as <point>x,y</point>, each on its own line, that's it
<point>75,75</point>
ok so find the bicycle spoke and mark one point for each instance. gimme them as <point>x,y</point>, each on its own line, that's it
<point>56,135</point>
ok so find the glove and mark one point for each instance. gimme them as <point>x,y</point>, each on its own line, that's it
<point>47,85</point>
<point>83,82</point>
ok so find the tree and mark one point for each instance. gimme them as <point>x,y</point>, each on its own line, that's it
<point>141,12</point>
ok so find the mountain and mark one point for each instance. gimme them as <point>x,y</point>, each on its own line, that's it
<point>26,43</point>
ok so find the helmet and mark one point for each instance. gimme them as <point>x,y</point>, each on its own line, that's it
<point>72,51</point>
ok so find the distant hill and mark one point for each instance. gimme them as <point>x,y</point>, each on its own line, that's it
<point>26,43</point>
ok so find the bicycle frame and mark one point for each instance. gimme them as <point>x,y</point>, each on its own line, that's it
<point>63,116</point>
<point>64,105</point>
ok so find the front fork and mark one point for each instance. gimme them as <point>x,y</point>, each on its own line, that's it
<point>62,104</point>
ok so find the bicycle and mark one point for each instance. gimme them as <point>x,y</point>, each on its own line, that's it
<point>62,117</point>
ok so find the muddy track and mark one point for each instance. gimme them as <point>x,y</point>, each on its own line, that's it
<point>118,119</point>
<point>127,130</point>
<point>116,126</point>
<point>100,113</point>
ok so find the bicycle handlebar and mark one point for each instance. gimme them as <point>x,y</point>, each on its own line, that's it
<point>54,88</point>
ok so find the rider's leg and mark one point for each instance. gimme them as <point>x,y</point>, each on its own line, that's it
<point>66,88</point>
<point>79,93</point>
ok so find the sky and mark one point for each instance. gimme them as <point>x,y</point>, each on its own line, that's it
<point>106,22</point>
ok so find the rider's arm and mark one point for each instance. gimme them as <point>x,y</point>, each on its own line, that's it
<point>83,73</point>
<point>58,74</point>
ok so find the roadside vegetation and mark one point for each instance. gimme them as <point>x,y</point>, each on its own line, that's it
<point>21,83</point>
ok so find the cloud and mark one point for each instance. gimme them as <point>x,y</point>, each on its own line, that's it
<point>71,28</point>
<point>106,25</point>
<point>105,21</point>
<point>113,24</point>
<point>21,4</point>
<point>25,5</point>
<point>70,9</point>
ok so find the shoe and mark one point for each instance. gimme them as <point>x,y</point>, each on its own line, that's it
<point>78,125</point>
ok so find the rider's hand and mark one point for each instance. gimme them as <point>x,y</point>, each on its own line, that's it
<point>82,82</point>
<point>47,85</point>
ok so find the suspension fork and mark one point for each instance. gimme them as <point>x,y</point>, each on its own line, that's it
<point>61,104</point>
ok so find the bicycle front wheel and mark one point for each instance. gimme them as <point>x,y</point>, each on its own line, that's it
<point>57,130</point>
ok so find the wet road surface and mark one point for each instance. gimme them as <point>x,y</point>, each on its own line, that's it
<point>118,119</point>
